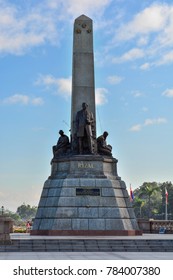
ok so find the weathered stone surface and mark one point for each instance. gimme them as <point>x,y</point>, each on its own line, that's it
<point>127,202</point>
<point>112,192</point>
<point>84,167</point>
<point>88,212</point>
<point>127,224</point>
<point>42,202</point>
<point>118,184</point>
<point>45,224</point>
<point>62,223</point>
<point>103,183</point>
<point>114,224</point>
<point>121,202</point>
<point>87,182</point>
<point>71,183</point>
<point>61,209</point>
<point>96,224</point>
<point>83,89</point>
<point>131,213</point>
<point>55,182</point>
<point>109,212</point>
<point>134,222</point>
<point>46,212</point>
<point>45,192</point>
<point>67,212</point>
<point>125,193</point>
<point>6,227</point>
<point>37,221</point>
<point>80,224</point>
<point>66,202</point>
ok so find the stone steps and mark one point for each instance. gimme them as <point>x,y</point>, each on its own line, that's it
<point>89,245</point>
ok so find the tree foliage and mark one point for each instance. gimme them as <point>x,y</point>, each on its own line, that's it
<point>149,200</point>
<point>13,215</point>
<point>26,212</point>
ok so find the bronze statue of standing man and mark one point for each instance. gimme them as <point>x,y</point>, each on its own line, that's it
<point>84,123</point>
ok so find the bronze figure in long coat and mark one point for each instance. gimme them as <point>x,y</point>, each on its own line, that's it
<point>84,122</point>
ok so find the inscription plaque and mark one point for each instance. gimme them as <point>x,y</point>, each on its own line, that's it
<point>85,165</point>
<point>85,191</point>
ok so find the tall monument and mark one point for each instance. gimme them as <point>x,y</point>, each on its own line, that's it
<point>84,194</point>
<point>83,88</point>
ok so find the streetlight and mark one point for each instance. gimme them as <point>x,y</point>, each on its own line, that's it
<point>2,209</point>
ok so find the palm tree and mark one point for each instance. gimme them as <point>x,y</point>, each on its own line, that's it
<point>148,190</point>
<point>138,204</point>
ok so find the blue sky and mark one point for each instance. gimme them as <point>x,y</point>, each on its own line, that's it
<point>133,50</point>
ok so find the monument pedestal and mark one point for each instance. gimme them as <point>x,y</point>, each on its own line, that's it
<point>85,196</point>
<point>6,227</point>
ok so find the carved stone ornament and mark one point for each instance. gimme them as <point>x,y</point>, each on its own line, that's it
<point>78,31</point>
<point>89,30</point>
<point>84,25</point>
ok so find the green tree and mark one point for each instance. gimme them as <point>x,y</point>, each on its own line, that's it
<point>148,190</point>
<point>150,193</point>
<point>13,215</point>
<point>169,187</point>
<point>138,204</point>
<point>26,212</point>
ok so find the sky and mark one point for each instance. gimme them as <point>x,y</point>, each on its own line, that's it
<point>133,54</point>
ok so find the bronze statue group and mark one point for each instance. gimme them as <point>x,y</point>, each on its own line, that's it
<point>84,140</point>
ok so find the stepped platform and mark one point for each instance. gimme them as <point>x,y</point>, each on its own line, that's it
<point>145,243</point>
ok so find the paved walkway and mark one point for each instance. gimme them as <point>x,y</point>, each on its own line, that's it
<point>86,256</point>
<point>89,255</point>
<point>144,236</point>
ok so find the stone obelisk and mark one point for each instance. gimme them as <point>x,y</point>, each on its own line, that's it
<point>84,194</point>
<point>83,87</point>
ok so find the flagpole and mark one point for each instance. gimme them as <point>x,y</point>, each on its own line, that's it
<point>166,204</point>
<point>166,212</point>
<point>131,194</point>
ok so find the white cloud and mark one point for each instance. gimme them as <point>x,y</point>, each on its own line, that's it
<point>113,80</point>
<point>37,101</point>
<point>88,7</point>
<point>168,92</point>
<point>20,31</point>
<point>167,58</point>
<point>40,22</point>
<point>145,66</point>
<point>142,41</point>
<point>58,86</point>
<point>63,87</point>
<point>23,100</point>
<point>154,121</point>
<point>136,127</point>
<point>148,122</point>
<point>132,54</point>
<point>17,99</point>
<point>144,109</point>
<point>151,29</point>
<point>151,19</point>
<point>137,93</point>
<point>100,94</point>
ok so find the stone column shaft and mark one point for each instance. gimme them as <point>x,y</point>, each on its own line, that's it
<point>83,87</point>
